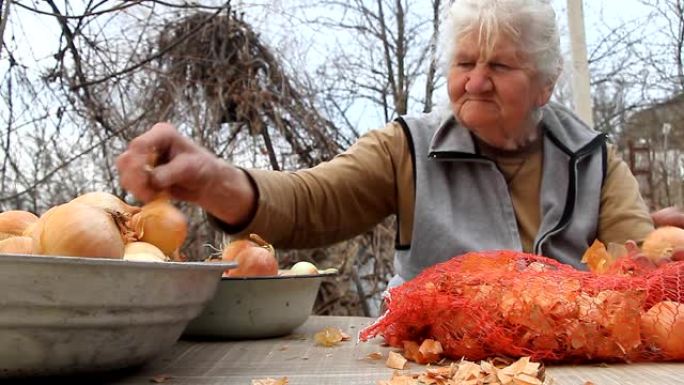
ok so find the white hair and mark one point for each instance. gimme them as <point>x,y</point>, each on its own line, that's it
<point>529,23</point>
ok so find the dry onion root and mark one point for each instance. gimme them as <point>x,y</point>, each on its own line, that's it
<point>161,224</point>
<point>15,222</point>
<point>78,230</point>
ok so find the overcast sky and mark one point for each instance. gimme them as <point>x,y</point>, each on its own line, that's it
<point>41,32</point>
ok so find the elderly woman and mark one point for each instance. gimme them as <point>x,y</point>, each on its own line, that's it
<point>502,168</point>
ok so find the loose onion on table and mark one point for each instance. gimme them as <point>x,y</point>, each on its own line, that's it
<point>79,230</point>
<point>15,222</point>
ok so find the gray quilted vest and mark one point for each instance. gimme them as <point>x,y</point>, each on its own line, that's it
<point>463,203</point>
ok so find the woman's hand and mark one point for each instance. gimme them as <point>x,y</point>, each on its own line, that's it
<point>164,160</point>
<point>669,216</point>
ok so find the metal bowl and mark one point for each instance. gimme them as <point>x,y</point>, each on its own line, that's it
<point>65,315</point>
<point>257,307</point>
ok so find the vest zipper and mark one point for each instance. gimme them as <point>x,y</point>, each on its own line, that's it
<point>571,195</point>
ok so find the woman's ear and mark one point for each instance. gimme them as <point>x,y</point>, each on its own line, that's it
<point>545,94</point>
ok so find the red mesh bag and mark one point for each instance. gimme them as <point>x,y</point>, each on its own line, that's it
<point>503,303</point>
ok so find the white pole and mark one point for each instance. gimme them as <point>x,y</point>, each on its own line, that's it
<point>580,64</point>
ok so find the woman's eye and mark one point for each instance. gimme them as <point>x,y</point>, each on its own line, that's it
<point>500,66</point>
<point>465,64</point>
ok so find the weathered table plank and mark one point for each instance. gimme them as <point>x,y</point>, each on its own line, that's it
<point>296,357</point>
<point>193,362</point>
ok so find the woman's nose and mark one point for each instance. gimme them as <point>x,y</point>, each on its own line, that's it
<point>479,80</point>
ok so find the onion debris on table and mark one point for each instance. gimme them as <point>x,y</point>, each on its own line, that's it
<point>271,381</point>
<point>330,336</point>
<point>520,372</point>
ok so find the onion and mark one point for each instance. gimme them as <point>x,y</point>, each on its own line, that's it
<point>106,201</point>
<point>232,249</point>
<point>663,326</point>
<point>661,242</point>
<point>17,245</point>
<point>79,230</point>
<point>29,229</point>
<point>143,251</point>
<point>254,258</point>
<point>303,268</point>
<point>15,222</point>
<point>161,224</point>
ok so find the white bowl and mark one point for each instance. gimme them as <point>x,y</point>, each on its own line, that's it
<point>64,315</point>
<point>257,307</point>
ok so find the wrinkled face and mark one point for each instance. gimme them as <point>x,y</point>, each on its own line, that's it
<point>495,96</point>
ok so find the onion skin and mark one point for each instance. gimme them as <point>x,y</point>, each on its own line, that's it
<point>662,242</point>
<point>161,224</point>
<point>17,245</point>
<point>15,222</point>
<point>78,230</point>
<point>106,201</point>
<point>663,326</point>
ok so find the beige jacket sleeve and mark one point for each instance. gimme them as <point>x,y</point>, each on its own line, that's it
<point>333,201</point>
<point>624,214</point>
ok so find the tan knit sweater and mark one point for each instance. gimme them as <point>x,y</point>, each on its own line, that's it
<point>374,179</point>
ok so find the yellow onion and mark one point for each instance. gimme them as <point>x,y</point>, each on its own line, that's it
<point>663,326</point>
<point>28,231</point>
<point>302,268</point>
<point>17,245</point>
<point>161,224</point>
<point>661,242</point>
<point>106,201</point>
<point>143,251</point>
<point>255,257</point>
<point>233,248</point>
<point>15,222</point>
<point>78,230</point>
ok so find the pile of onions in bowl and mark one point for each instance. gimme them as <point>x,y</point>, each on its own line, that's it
<point>257,258</point>
<point>97,225</point>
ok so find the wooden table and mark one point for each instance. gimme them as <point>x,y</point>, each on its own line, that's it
<point>299,359</point>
